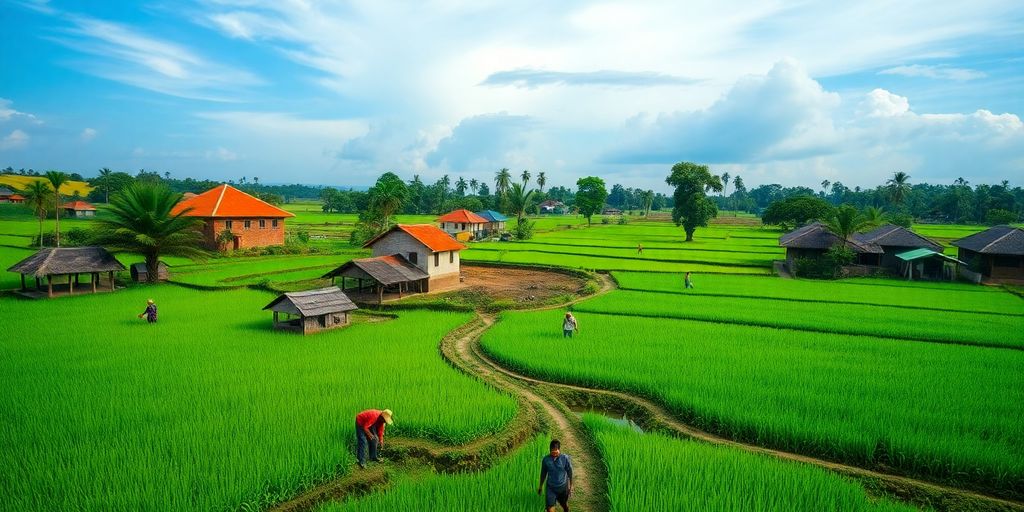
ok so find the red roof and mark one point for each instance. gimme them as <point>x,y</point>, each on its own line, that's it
<point>463,216</point>
<point>228,201</point>
<point>16,197</point>
<point>426,234</point>
<point>78,206</point>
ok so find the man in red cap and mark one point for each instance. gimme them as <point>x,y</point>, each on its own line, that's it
<point>370,431</point>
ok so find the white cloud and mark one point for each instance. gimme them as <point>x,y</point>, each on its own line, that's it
<point>7,113</point>
<point>14,140</point>
<point>936,72</point>
<point>221,154</point>
<point>484,142</point>
<point>88,134</point>
<point>882,103</point>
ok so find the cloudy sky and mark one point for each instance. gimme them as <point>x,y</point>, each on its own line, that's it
<point>332,92</point>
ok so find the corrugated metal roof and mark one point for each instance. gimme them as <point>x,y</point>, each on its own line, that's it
<point>313,302</point>
<point>492,216</point>
<point>67,260</point>
<point>917,254</point>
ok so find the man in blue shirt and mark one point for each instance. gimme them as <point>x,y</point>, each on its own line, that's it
<point>556,468</point>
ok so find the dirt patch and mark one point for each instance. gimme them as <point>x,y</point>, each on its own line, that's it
<point>519,284</point>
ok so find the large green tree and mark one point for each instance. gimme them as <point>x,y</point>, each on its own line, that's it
<point>590,196</point>
<point>140,220</point>
<point>39,198</point>
<point>56,179</point>
<point>795,211</point>
<point>388,195</point>
<point>898,187</point>
<point>692,208</point>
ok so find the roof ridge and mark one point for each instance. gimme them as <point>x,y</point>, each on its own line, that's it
<point>990,244</point>
<point>223,189</point>
<point>46,260</point>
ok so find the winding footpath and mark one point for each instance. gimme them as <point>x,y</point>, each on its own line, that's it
<point>546,405</point>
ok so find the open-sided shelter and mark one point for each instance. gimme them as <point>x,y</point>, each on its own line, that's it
<point>381,273</point>
<point>69,262</point>
<point>312,310</point>
<point>458,222</point>
<point>996,253</point>
<point>251,222</point>
<point>925,263</point>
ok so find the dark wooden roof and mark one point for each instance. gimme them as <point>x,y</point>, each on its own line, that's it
<point>890,235</point>
<point>4,191</point>
<point>67,260</point>
<point>323,301</point>
<point>817,236</point>
<point>386,270</point>
<point>995,240</point>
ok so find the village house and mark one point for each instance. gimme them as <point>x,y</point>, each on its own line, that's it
<point>9,196</point>
<point>463,224</point>
<point>552,206</point>
<point>996,254</point>
<point>312,310</point>
<point>813,240</point>
<point>887,246</point>
<point>495,222</point>
<point>78,209</point>
<point>251,222</point>
<point>894,240</point>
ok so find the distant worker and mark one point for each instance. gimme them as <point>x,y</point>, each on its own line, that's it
<point>569,325</point>
<point>370,432</point>
<point>639,248</point>
<point>688,281</point>
<point>556,469</point>
<point>150,312</point>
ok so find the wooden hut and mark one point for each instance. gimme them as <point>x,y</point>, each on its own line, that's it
<point>140,274</point>
<point>895,240</point>
<point>312,310</point>
<point>69,262</point>
<point>381,273</point>
<point>813,240</point>
<point>994,254</point>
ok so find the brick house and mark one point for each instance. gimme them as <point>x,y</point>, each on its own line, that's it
<point>251,221</point>
<point>425,246</point>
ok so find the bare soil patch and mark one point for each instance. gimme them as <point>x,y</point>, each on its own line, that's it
<point>519,284</point>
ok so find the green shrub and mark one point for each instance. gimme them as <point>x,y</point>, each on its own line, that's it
<point>524,229</point>
<point>829,266</point>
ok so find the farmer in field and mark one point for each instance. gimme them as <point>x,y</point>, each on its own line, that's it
<point>556,469</point>
<point>150,312</point>
<point>688,281</point>
<point>639,248</point>
<point>370,432</point>
<point>569,325</point>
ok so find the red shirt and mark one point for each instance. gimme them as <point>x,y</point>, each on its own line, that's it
<point>367,418</point>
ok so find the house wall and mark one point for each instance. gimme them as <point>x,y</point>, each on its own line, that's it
<point>400,242</point>
<point>453,228</point>
<point>311,324</point>
<point>252,237</point>
<point>1005,267</point>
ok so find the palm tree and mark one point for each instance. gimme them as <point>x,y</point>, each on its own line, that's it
<point>460,186</point>
<point>725,182</point>
<point>845,222</point>
<point>874,216</point>
<point>519,199</point>
<point>104,183</point>
<point>387,197</point>
<point>541,181</point>
<point>526,177</point>
<point>56,179</point>
<point>648,200</point>
<point>824,186</point>
<point>39,197</point>
<point>474,185</point>
<point>502,179</point>
<point>899,187</point>
<point>140,220</point>
<point>961,182</point>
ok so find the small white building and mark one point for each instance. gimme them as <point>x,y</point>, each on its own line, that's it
<point>425,246</point>
<point>457,222</point>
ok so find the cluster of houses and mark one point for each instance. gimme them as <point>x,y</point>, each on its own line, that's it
<point>994,254</point>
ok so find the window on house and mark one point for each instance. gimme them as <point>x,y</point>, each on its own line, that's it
<point>228,224</point>
<point>463,226</point>
<point>414,257</point>
<point>273,223</point>
<point>437,259</point>
<point>451,257</point>
<point>263,224</point>
<point>247,224</point>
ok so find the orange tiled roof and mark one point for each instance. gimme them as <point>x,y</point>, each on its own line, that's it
<point>228,201</point>
<point>16,197</point>
<point>78,206</point>
<point>462,216</point>
<point>426,234</point>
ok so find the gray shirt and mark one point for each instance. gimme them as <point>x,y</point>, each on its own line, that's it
<point>558,471</point>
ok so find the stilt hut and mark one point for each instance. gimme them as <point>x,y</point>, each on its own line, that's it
<point>312,310</point>
<point>70,263</point>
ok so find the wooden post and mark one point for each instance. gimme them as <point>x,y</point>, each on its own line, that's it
<point>39,283</point>
<point>110,274</point>
<point>23,282</point>
<point>399,290</point>
<point>93,277</point>
<point>71,286</point>
<point>275,319</point>
<point>380,294</point>
<point>49,286</point>
<point>76,279</point>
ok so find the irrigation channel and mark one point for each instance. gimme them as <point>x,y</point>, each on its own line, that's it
<point>554,408</point>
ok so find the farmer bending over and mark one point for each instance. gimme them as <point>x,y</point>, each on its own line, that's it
<point>370,431</point>
<point>556,468</point>
<point>150,312</point>
<point>569,325</point>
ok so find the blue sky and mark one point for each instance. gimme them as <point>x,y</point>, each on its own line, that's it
<point>339,92</point>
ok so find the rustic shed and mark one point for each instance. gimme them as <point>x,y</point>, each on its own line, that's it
<point>393,272</point>
<point>312,310</point>
<point>925,263</point>
<point>140,273</point>
<point>894,240</point>
<point>70,262</point>
<point>813,240</point>
<point>994,254</point>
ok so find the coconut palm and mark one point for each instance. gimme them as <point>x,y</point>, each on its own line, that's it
<point>846,221</point>
<point>648,200</point>
<point>140,220</point>
<point>460,186</point>
<point>519,199</point>
<point>104,183</point>
<point>388,196</point>
<point>725,182</point>
<point>502,180</point>
<point>474,185</point>
<point>525,176</point>
<point>56,179</point>
<point>824,186</point>
<point>874,216</point>
<point>899,186</point>
<point>541,181</point>
<point>39,197</point>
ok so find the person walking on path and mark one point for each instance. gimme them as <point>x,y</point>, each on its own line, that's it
<point>688,281</point>
<point>370,433</point>
<point>150,312</point>
<point>569,325</point>
<point>556,469</point>
<point>639,248</point>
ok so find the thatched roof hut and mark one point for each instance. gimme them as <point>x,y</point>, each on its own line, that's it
<point>66,261</point>
<point>313,310</point>
<point>393,271</point>
<point>996,253</point>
